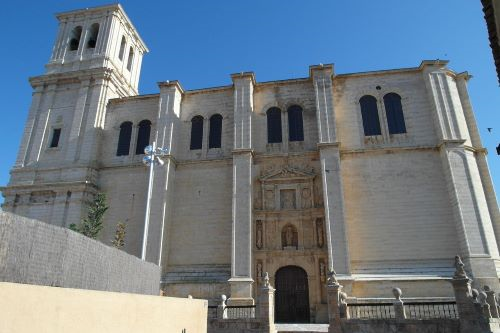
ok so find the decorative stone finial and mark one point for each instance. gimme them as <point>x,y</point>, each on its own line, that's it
<point>332,277</point>
<point>481,298</point>
<point>343,298</point>
<point>459,269</point>
<point>223,299</point>
<point>190,296</point>
<point>486,288</point>
<point>397,293</point>
<point>266,280</point>
<point>475,294</point>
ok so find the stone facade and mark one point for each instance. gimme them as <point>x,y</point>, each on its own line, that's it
<point>379,208</point>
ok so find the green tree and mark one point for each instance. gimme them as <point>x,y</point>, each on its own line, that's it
<point>119,240</point>
<point>92,224</point>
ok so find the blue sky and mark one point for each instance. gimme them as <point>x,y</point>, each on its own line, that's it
<point>201,42</point>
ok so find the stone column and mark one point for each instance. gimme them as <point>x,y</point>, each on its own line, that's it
<point>333,289</point>
<point>266,306</point>
<point>165,136</point>
<point>241,246</point>
<point>476,236</point>
<point>329,149</point>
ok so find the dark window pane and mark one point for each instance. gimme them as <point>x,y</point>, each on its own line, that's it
<point>394,113</point>
<point>74,42</point>
<point>94,32</point>
<point>124,139</point>
<point>143,136</point>
<point>196,132</point>
<point>369,113</point>
<point>274,125</point>
<point>295,123</point>
<point>56,134</point>
<point>215,133</point>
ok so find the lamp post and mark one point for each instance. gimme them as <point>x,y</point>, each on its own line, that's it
<point>151,159</point>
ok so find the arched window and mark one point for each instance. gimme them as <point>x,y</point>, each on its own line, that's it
<point>295,123</point>
<point>273,125</point>
<point>74,42</point>
<point>93,33</point>
<point>394,113</point>
<point>196,132</point>
<point>369,113</point>
<point>130,58</point>
<point>143,136</point>
<point>124,139</point>
<point>122,48</point>
<point>215,133</point>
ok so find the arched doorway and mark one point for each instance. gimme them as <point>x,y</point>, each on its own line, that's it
<point>292,295</point>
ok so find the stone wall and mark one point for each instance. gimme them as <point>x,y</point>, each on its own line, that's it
<point>33,252</point>
<point>401,326</point>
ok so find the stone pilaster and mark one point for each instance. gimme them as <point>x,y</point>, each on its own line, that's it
<point>476,236</point>
<point>241,249</point>
<point>329,149</point>
<point>480,154</point>
<point>165,136</point>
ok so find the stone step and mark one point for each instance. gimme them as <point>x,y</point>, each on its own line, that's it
<point>304,328</point>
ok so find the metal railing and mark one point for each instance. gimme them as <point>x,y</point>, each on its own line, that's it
<point>413,310</point>
<point>430,310</point>
<point>233,312</point>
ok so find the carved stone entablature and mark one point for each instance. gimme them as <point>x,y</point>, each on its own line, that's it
<point>287,188</point>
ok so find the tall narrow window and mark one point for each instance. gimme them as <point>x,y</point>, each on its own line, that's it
<point>75,36</point>
<point>124,139</point>
<point>122,48</point>
<point>130,58</point>
<point>295,123</point>
<point>56,134</point>
<point>274,125</point>
<point>215,133</point>
<point>196,133</point>
<point>394,113</point>
<point>143,136</point>
<point>93,33</point>
<point>369,113</point>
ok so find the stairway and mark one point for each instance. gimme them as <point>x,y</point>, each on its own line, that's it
<point>304,328</point>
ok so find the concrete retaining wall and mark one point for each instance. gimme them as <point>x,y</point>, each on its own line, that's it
<point>34,252</point>
<point>27,309</point>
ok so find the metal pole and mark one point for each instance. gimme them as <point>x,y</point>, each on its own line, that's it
<point>148,204</point>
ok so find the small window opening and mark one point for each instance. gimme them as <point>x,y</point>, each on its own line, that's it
<point>124,139</point>
<point>215,133</point>
<point>274,125</point>
<point>56,134</point>
<point>196,133</point>
<point>143,136</point>
<point>122,48</point>
<point>130,58</point>
<point>94,32</point>
<point>74,42</point>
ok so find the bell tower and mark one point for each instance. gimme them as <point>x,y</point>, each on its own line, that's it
<point>96,56</point>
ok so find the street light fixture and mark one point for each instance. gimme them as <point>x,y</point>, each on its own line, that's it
<point>151,159</point>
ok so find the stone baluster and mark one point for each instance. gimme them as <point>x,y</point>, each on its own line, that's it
<point>221,308</point>
<point>399,309</point>
<point>266,306</point>
<point>492,301</point>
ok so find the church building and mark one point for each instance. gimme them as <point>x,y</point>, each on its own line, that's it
<point>379,175</point>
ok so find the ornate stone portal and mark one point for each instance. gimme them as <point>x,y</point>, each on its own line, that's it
<point>289,228</point>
